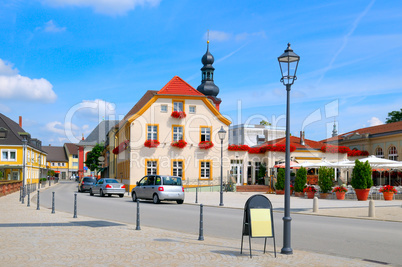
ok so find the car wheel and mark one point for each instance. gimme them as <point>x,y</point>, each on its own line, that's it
<point>90,192</point>
<point>134,196</point>
<point>121,195</point>
<point>156,199</point>
<point>179,201</point>
<point>101,193</point>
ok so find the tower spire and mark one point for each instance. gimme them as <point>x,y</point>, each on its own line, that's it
<point>334,131</point>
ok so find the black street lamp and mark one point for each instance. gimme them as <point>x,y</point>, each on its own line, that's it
<point>222,134</point>
<point>288,63</point>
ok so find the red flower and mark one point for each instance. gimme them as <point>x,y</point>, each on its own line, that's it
<point>123,146</point>
<point>238,147</point>
<point>340,189</point>
<point>388,188</point>
<point>335,149</point>
<point>178,114</point>
<point>309,189</point>
<point>151,143</point>
<point>179,144</point>
<point>266,147</point>
<point>205,144</point>
<point>357,153</point>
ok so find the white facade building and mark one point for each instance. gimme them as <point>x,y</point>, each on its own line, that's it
<point>252,135</point>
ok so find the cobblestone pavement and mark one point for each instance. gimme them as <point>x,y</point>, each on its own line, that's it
<point>31,237</point>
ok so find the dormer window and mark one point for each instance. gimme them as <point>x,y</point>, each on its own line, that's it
<point>3,133</point>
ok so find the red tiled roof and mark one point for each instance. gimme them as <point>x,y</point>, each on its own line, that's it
<point>177,86</point>
<point>383,128</point>
<point>295,141</point>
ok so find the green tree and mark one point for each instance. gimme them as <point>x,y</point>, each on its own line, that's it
<point>301,179</point>
<point>394,116</point>
<point>50,173</point>
<point>92,161</point>
<point>280,180</point>
<point>261,173</point>
<point>361,175</point>
<point>265,123</point>
<point>325,179</point>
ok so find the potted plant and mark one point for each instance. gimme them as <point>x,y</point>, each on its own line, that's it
<point>361,180</point>
<point>280,182</point>
<point>388,192</point>
<point>178,114</point>
<point>205,144</point>
<point>340,192</point>
<point>325,177</point>
<point>179,144</point>
<point>151,143</point>
<point>300,181</point>
<point>310,191</point>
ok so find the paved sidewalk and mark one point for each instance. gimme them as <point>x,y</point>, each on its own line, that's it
<point>31,237</point>
<point>384,210</point>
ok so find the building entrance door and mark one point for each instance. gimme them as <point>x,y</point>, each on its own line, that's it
<point>236,171</point>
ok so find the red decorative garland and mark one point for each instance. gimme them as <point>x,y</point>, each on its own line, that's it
<point>178,114</point>
<point>357,153</point>
<point>123,146</point>
<point>335,149</point>
<point>238,147</point>
<point>179,144</point>
<point>151,143</point>
<point>205,144</point>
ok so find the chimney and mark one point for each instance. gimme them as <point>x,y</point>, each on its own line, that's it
<point>83,136</point>
<point>302,138</point>
<point>20,121</point>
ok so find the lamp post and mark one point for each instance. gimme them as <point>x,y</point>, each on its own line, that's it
<point>24,147</point>
<point>222,134</point>
<point>288,63</point>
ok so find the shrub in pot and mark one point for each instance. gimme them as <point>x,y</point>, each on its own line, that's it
<point>361,179</point>
<point>325,179</point>
<point>301,180</point>
<point>280,180</point>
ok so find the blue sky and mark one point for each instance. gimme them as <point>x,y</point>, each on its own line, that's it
<point>69,63</point>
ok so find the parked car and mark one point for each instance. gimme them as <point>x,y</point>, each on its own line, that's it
<point>86,183</point>
<point>159,187</point>
<point>108,186</point>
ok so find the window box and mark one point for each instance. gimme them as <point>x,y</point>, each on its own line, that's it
<point>179,144</point>
<point>205,144</point>
<point>238,147</point>
<point>151,143</point>
<point>178,114</point>
<point>123,146</point>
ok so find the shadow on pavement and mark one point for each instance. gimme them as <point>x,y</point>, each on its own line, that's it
<point>83,223</point>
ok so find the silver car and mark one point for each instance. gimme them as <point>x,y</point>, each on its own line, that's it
<point>159,187</point>
<point>108,186</point>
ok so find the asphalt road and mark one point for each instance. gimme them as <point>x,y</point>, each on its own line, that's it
<point>355,238</point>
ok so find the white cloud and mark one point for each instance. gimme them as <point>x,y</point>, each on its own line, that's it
<point>107,7</point>
<point>15,86</point>
<point>50,26</point>
<point>374,121</point>
<point>220,36</point>
<point>97,108</point>
<point>59,128</point>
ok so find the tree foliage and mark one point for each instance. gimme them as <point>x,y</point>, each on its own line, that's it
<point>394,116</point>
<point>280,180</point>
<point>325,179</point>
<point>50,173</point>
<point>265,123</point>
<point>92,161</point>
<point>301,179</point>
<point>361,175</point>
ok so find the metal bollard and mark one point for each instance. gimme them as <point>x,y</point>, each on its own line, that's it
<point>20,193</point>
<point>29,200</point>
<point>49,181</point>
<point>53,211</point>
<point>37,202</point>
<point>315,204</point>
<point>138,215</point>
<point>75,205</point>
<point>23,195</point>
<point>201,235</point>
<point>196,195</point>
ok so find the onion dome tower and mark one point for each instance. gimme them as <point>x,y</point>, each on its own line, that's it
<point>207,86</point>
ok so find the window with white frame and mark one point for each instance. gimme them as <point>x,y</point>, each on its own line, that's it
<point>164,108</point>
<point>29,156</point>
<point>192,109</point>
<point>205,171</point>
<point>205,134</point>
<point>75,156</point>
<point>75,164</point>
<point>177,133</point>
<point>152,132</point>
<point>177,168</point>
<point>392,153</point>
<point>379,153</point>
<point>9,155</point>
<point>178,106</point>
<point>152,167</point>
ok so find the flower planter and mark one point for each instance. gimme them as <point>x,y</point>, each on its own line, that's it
<point>388,195</point>
<point>299,194</point>
<point>310,194</point>
<point>324,195</point>
<point>362,194</point>
<point>340,195</point>
<point>280,192</point>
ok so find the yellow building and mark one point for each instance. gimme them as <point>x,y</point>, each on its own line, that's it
<point>72,155</point>
<point>12,153</point>
<point>57,161</point>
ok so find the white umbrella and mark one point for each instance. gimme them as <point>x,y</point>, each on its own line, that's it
<point>305,164</point>
<point>373,160</point>
<point>344,164</point>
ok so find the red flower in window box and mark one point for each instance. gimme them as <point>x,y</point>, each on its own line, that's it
<point>178,114</point>
<point>205,144</point>
<point>357,153</point>
<point>151,143</point>
<point>238,147</point>
<point>179,144</point>
<point>123,146</point>
<point>335,149</point>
